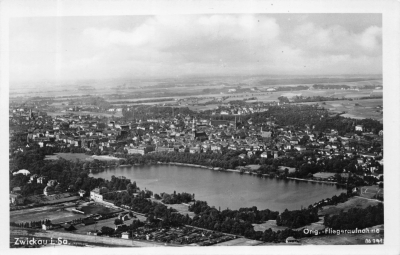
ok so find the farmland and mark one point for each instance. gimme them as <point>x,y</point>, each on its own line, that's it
<point>357,109</point>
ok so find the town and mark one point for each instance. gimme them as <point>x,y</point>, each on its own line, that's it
<point>279,139</point>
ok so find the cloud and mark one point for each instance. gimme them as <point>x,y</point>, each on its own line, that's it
<point>205,44</point>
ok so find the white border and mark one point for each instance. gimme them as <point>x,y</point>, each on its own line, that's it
<point>390,10</point>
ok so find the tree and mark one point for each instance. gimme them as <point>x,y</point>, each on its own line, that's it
<point>118,222</point>
<point>107,230</point>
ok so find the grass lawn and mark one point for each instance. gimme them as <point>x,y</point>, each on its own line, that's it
<point>81,229</point>
<point>182,209</point>
<point>73,156</point>
<point>354,202</point>
<point>55,215</point>
<point>266,225</point>
<point>323,175</point>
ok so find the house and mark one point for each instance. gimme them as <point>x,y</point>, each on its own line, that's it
<point>125,235</point>
<point>266,134</point>
<point>81,192</point>
<point>359,128</point>
<point>47,226</point>
<point>51,183</point>
<point>33,177</point>
<point>195,150</point>
<point>300,147</point>
<point>242,156</point>
<point>41,179</point>
<point>17,199</point>
<point>123,217</point>
<point>292,240</point>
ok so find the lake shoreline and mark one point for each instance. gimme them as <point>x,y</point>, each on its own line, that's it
<point>238,171</point>
<point>230,170</point>
<point>220,189</point>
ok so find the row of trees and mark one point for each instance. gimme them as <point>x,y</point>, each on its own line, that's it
<point>297,218</point>
<point>356,218</point>
<point>32,224</point>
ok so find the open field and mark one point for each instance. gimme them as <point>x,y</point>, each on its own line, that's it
<point>81,229</point>
<point>323,175</point>
<point>360,109</point>
<point>53,199</point>
<point>268,224</point>
<point>353,202</point>
<point>370,191</point>
<point>72,156</point>
<point>182,209</point>
<point>56,215</point>
<point>203,107</point>
<point>80,156</point>
<point>116,114</point>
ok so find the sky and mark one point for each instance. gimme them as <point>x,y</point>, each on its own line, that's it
<point>103,47</point>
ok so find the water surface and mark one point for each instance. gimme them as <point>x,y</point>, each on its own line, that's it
<point>226,189</point>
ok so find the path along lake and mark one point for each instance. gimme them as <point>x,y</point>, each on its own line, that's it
<point>225,189</point>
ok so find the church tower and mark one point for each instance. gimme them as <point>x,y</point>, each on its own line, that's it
<point>194,129</point>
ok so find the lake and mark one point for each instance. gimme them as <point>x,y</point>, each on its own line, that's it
<point>225,189</point>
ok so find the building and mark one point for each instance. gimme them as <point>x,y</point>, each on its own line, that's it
<point>291,239</point>
<point>165,149</point>
<point>81,192</point>
<point>41,179</point>
<point>359,128</point>
<point>22,171</point>
<point>97,194</point>
<point>17,199</point>
<point>140,150</point>
<point>125,235</point>
<point>47,226</point>
<point>299,147</point>
<point>52,183</point>
<point>266,134</point>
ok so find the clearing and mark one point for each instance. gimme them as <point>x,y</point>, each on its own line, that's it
<point>268,224</point>
<point>354,202</point>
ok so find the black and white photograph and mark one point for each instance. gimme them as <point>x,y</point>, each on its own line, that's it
<point>200,127</point>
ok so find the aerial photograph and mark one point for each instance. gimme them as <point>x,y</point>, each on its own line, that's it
<point>253,129</point>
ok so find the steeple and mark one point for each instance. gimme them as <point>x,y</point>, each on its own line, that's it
<point>235,123</point>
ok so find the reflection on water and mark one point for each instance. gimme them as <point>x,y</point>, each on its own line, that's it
<point>225,189</point>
